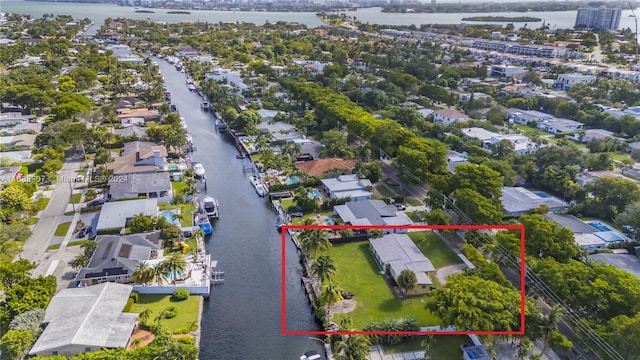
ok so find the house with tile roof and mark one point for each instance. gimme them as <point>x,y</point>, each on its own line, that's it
<point>139,157</point>
<point>449,116</point>
<point>321,166</point>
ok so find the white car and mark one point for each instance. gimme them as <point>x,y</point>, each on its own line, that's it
<point>311,355</point>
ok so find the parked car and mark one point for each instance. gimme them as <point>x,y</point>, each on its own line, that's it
<point>85,232</point>
<point>297,214</point>
<point>401,207</point>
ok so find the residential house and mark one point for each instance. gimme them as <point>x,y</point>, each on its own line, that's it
<point>8,174</point>
<point>507,71</point>
<point>27,127</point>
<point>115,215</point>
<point>518,200</point>
<point>557,126</point>
<point>566,81</point>
<point>136,116</point>
<point>528,117</point>
<point>123,53</point>
<point>280,131</point>
<point>449,116</point>
<point>182,51</point>
<point>454,159</point>
<point>585,177</point>
<point>584,235</point>
<point>131,130</point>
<point>591,134</point>
<point>372,212</point>
<point>85,319</point>
<point>14,118</point>
<point>267,115</point>
<point>18,142</point>
<point>321,166</point>
<point>633,111</point>
<point>348,186</point>
<point>522,145</point>
<point>475,96</point>
<point>397,252</point>
<point>139,157</point>
<point>149,185</point>
<point>116,257</point>
<point>518,89</point>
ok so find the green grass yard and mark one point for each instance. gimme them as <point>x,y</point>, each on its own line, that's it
<point>187,311</point>
<point>300,220</point>
<point>384,190</point>
<point>357,272</point>
<point>185,211</point>
<point>62,229</point>
<point>414,202</point>
<point>178,185</point>
<point>413,216</point>
<point>75,198</point>
<point>434,248</point>
<point>446,347</point>
<point>528,130</point>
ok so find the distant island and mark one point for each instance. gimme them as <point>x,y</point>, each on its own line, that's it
<point>502,18</point>
<point>145,11</point>
<point>179,12</point>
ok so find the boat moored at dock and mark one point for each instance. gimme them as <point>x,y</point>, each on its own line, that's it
<point>209,206</point>
<point>260,187</point>
<point>198,170</point>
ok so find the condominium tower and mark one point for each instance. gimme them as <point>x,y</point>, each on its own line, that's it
<point>601,18</point>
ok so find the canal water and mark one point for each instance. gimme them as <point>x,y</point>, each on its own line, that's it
<point>242,318</point>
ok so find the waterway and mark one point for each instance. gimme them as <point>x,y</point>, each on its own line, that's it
<point>242,318</point>
<point>99,12</point>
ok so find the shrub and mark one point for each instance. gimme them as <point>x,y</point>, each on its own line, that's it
<point>170,312</point>
<point>135,296</point>
<point>181,294</point>
<point>186,340</point>
<point>127,308</point>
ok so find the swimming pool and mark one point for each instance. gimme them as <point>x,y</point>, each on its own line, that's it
<point>315,194</point>
<point>291,180</point>
<point>169,276</point>
<point>329,221</point>
<point>599,226</point>
<point>541,194</point>
<point>168,215</point>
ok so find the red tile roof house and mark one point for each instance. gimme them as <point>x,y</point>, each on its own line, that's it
<point>448,116</point>
<point>321,166</point>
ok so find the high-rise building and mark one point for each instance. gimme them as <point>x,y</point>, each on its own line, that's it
<point>601,18</point>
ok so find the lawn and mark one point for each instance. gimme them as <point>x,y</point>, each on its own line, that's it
<point>384,190</point>
<point>286,203</point>
<point>178,185</point>
<point>433,247</point>
<point>42,203</point>
<point>75,198</point>
<point>185,211</point>
<point>31,221</point>
<point>54,247</point>
<point>414,202</point>
<point>62,229</point>
<point>445,347</point>
<point>187,311</point>
<point>300,220</point>
<point>528,130</point>
<point>357,272</point>
<point>413,216</point>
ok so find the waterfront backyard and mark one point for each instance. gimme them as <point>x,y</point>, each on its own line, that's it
<point>186,319</point>
<point>357,272</point>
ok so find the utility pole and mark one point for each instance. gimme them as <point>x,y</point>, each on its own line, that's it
<point>636,37</point>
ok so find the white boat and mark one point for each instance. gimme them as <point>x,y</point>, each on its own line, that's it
<point>311,355</point>
<point>198,170</point>
<point>209,206</point>
<point>261,189</point>
<point>221,125</point>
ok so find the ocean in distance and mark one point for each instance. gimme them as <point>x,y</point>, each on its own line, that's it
<point>98,12</point>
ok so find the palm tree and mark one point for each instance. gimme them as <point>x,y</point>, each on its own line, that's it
<point>143,274</point>
<point>145,315</point>
<point>313,242</point>
<point>89,246</point>
<point>331,294</point>
<point>323,268</point>
<point>175,265</point>
<point>548,325</point>
<point>80,261</point>
<point>427,344</point>
<point>354,347</point>
<point>159,272</point>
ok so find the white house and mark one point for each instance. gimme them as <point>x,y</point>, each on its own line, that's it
<point>372,212</point>
<point>507,71</point>
<point>13,118</point>
<point>526,117</point>
<point>522,145</point>
<point>557,126</point>
<point>448,116</point>
<point>566,81</point>
<point>596,134</point>
<point>350,186</point>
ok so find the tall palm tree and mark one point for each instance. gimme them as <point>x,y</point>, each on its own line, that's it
<point>549,324</point>
<point>143,274</point>
<point>145,315</point>
<point>159,272</point>
<point>89,246</point>
<point>313,242</point>
<point>323,268</point>
<point>80,261</point>
<point>175,264</point>
<point>354,347</point>
<point>331,294</point>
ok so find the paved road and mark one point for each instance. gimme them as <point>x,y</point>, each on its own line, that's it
<point>415,190</point>
<point>35,247</point>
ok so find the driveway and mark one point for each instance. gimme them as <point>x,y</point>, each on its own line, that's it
<point>446,271</point>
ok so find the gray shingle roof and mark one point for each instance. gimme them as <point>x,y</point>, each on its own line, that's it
<point>516,200</point>
<point>87,317</point>
<point>115,213</point>
<point>401,253</point>
<point>371,212</point>
<point>140,183</point>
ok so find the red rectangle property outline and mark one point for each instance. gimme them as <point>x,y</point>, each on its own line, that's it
<point>521,331</point>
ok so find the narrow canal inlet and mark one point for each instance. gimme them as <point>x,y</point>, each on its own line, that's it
<point>242,319</point>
